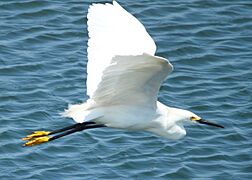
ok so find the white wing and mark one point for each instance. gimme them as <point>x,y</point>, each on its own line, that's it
<point>128,80</point>
<point>112,31</point>
<point>132,80</point>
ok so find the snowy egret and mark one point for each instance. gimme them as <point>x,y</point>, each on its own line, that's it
<point>123,80</point>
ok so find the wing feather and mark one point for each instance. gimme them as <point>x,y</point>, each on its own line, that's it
<point>132,80</point>
<point>112,31</point>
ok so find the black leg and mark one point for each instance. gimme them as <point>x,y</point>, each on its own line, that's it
<point>71,127</point>
<point>39,137</point>
<point>81,127</point>
<point>37,134</point>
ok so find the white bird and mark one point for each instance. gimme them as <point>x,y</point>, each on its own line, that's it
<point>123,80</point>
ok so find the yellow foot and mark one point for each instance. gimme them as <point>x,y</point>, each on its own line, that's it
<point>36,134</point>
<point>37,140</point>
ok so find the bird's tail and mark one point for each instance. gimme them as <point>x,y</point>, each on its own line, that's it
<point>76,111</point>
<point>82,112</point>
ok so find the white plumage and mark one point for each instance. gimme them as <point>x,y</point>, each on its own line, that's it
<point>112,31</point>
<point>123,80</point>
<point>124,77</point>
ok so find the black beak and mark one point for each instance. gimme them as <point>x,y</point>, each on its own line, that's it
<point>203,121</point>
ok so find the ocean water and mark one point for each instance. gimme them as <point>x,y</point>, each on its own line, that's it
<point>43,68</point>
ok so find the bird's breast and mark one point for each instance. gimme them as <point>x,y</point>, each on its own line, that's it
<point>127,117</point>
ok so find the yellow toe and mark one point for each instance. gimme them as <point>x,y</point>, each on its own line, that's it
<point>37,140</point>
<point>36,134</point>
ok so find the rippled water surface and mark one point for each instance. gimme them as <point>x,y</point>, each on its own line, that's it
<point>43,68</point>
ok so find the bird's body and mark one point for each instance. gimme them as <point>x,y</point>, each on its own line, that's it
<point>123,80</point>
<point>123,87</point>
<point>132,118</point>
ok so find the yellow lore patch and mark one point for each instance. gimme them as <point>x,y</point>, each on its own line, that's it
<point>195,118</point>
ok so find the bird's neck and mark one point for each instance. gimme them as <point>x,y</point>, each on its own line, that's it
<point>173,115</point>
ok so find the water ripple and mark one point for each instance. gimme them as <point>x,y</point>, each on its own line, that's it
<point>43,63</point>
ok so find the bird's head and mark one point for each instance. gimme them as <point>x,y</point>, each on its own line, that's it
<point>189,117</point>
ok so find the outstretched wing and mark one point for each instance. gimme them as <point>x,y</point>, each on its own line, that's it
<point>132,80</point>
<point>112,32</point>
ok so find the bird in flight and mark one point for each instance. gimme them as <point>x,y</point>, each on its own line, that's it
<point>123,80</point>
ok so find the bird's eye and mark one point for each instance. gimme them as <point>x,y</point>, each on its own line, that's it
<point>193,118</point>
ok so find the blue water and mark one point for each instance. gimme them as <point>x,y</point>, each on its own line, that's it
<point>43,68</point>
